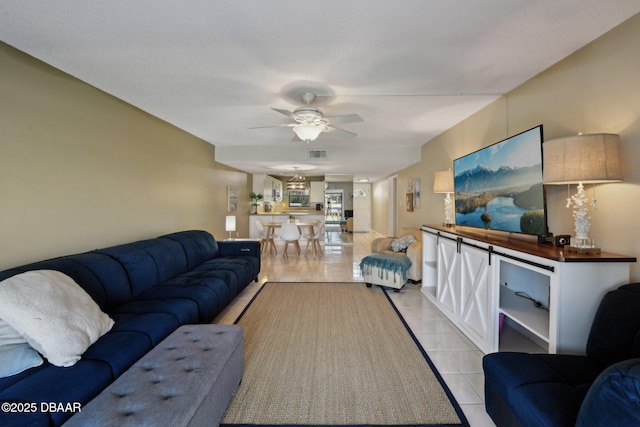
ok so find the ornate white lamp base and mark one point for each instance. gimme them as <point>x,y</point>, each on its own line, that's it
<point>581,242</point>
<point>448,210</point>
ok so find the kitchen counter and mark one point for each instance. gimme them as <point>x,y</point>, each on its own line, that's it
<point>287,213</point>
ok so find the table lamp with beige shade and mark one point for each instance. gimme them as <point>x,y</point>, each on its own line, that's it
<point>582,159</point>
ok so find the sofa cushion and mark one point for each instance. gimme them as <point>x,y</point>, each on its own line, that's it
<point>198,246</point>
<point>249,251</point>
<point>154,326</point>
<point>137,333</point>
<point>615,332</point>
<point>210,290</point>
<point>101,276</point>
<point>540,389</point>
<point>168,255</point>
<point>182,309</point>
<point>550,404</point>
<point>614,398</point>
<point>236,270</point>
<point>200,295</point>
<point>54,315</point>
<point>149,262</point>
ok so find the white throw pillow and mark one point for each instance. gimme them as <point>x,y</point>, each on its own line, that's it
<point>53,314</point>
<point>16,355</point>
<point>401,244</point>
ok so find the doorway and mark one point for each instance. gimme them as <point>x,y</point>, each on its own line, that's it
<point>334,206</point>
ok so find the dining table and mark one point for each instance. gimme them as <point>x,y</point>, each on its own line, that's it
<point>271,227</point>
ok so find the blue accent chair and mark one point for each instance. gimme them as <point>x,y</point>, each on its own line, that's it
<point>601,388</point>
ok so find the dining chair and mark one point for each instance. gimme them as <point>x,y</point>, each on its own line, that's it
<point>266,238</point>
<point>290,233</point>
<point>305,230</point>
<point>317,237</point>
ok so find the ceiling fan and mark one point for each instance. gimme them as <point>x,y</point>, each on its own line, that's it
<point>311,122</point>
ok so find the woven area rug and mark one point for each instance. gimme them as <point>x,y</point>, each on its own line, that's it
<point>335,354</point>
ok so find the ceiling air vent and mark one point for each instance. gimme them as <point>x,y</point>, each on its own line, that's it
<point>318,154</point>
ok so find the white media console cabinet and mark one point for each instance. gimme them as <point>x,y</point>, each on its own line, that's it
<point>486,283</point>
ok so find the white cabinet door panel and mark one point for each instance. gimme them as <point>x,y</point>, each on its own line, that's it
<point>476,296</point>
<point>447,293</point>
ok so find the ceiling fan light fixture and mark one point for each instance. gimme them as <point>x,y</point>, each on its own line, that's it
<point>308,131</point>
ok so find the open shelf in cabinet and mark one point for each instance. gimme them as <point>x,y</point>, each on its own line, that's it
<point>429,266</point>
<point>514,338</point>
<point>533,286</point>
<point>523,312</point>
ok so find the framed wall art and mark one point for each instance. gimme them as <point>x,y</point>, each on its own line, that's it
<point>409,202</point>
<point>232,198</point>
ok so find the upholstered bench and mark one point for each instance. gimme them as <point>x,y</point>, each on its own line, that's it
<point>186,380</point>
<point>385,270</point>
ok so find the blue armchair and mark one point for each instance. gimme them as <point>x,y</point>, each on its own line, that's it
<point>601,388</point>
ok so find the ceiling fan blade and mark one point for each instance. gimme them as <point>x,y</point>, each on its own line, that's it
<point>287,125</point>
<point>347,118</point>
<point>286,113</point>
<point>341,132</point>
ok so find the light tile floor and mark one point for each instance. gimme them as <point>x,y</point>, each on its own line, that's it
<point>457,359</point>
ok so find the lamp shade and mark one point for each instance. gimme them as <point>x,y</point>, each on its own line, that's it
<point>308,131</point>
<point>590,158</point>
<point>230,223</point>
<point>443,182</point>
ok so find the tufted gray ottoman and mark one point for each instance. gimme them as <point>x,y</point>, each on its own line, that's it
<point>186,380</point>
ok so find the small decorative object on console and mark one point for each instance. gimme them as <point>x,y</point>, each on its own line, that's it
<point>563,240</point>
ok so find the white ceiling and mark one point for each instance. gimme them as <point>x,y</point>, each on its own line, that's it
<point>410,68</point>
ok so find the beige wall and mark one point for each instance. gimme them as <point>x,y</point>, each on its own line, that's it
<point>380,207</point>
<point>80,169</point>
<point>597,89</point>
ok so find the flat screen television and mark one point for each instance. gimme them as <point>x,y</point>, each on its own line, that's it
<point>499,187</point>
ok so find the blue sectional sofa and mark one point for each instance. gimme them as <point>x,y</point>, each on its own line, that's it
<point>599,389</point>
<point>149,288</point>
